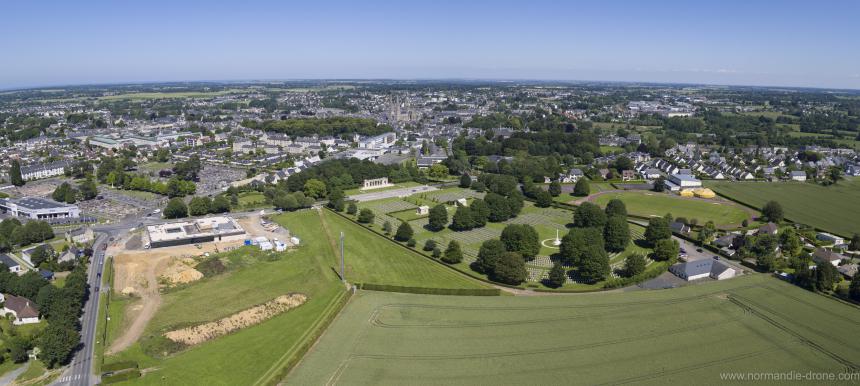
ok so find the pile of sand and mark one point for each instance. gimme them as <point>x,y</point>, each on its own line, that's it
<point>245,318</point>
<point>180,271</point>
<point>187,276</point>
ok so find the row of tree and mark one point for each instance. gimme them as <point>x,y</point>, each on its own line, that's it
<point>12,232</point>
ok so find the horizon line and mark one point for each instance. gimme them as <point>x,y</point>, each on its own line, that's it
<point>419,79</point>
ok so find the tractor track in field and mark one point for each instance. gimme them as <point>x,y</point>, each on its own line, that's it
<point>551,350</point>
<point>379,323</point>
<point>555,307</point>
<point>755,309</point>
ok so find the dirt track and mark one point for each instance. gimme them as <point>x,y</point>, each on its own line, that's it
<point>137,273</point>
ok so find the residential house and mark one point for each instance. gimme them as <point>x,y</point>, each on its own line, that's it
<point>24,310</point>
<point>81,235</point>
<point>822,256</point>
<point>10,263</point>
<point>679,227</point>
<point>572,175</point>
<point>628,175</point>
<point>768,229</point>
<point>798,175</point>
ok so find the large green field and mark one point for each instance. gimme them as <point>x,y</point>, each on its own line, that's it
<point>649,204</point>
<point>834,208</point>
<point>258,352</point>
<point>251,352</point>
<point>689,335</point>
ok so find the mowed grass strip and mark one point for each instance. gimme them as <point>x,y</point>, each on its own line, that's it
<point>241,357</point>
<point>650,204</point>
<point>685,335</point>
<point>833,208</point>
<point>370,258</point>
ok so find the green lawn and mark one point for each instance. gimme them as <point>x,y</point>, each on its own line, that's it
<point>249,199</point>
<point>400,185</point>
<point>688,335</point>
<point>372,259</point>
<point>833,208</point>
<point>255,351</point>
<point>649,204</point>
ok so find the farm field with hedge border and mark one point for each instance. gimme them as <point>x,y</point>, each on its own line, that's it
<point>752,323</point>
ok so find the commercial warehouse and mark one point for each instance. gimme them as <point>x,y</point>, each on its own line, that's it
<point>39,208</point>
<point>219,228</point>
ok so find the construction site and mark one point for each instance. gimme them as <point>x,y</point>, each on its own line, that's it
<point>219,228</point>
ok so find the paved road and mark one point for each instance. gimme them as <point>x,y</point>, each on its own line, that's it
<point>7,378</point>
<point>80,369</point>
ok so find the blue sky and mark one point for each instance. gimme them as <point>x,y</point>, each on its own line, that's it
<point>752,42</point>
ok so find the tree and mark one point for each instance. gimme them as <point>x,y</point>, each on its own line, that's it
<point>657,229</point>
<point>522,239</point>
<point>366,216</point>
<point>616,234</point>
<point>666,250</point>
<point>465,181</point>
<point>574,243</point>
<point>555,188</point>
<point>437,253</point>
<point>438,218</point>
<point>480,212</point>
<point>56,344</point>
<point>404,232</point>
<point>462,219</point>
<point>453,254</point>
<point>438,171</point>
<point>634,264</point>
<point>826,276</point>
<point>41,255</point>
<point>790,243</point>
<point>315,188</point>
<point>767,262</point>
<point>64,193</point>
<point>352,208</point>
<point>581,188</point>
<point>220,204</point>
<point>175,208</point>
<point>588,215</point>
<point>706,234</point>
<point>854,288</point>
<point>386,227</point>
<point>854,245</point>
<point>88,189</point>
<point>488,255</point>
<point>515,203</point>
<point>660,184</point>
<point>616,207</point>
<point>772,211</point>
<point>199,206</point>
<point>594,266</point>
<point>510,269</point>
<point>429,245</point>
<point>557,276</point>
<point>15,174</point>
<point>336,200</point>
<point>499,208</point>
<point>543,199</point>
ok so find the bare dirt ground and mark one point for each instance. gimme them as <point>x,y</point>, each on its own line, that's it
<point>251,224</point>
<point>137,273</point>
<point>245,318</point>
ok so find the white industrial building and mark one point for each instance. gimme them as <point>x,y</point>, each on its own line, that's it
<point>218,228</point>
<point>39,208</point>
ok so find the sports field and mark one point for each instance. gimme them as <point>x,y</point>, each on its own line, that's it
<point>688,335</point>
<point>834,208</point>
<point>650,204</point>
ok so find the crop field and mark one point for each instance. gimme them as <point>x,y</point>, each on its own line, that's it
<point>688,335</point>
<point>833,208</point>
<point>648,204</point>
